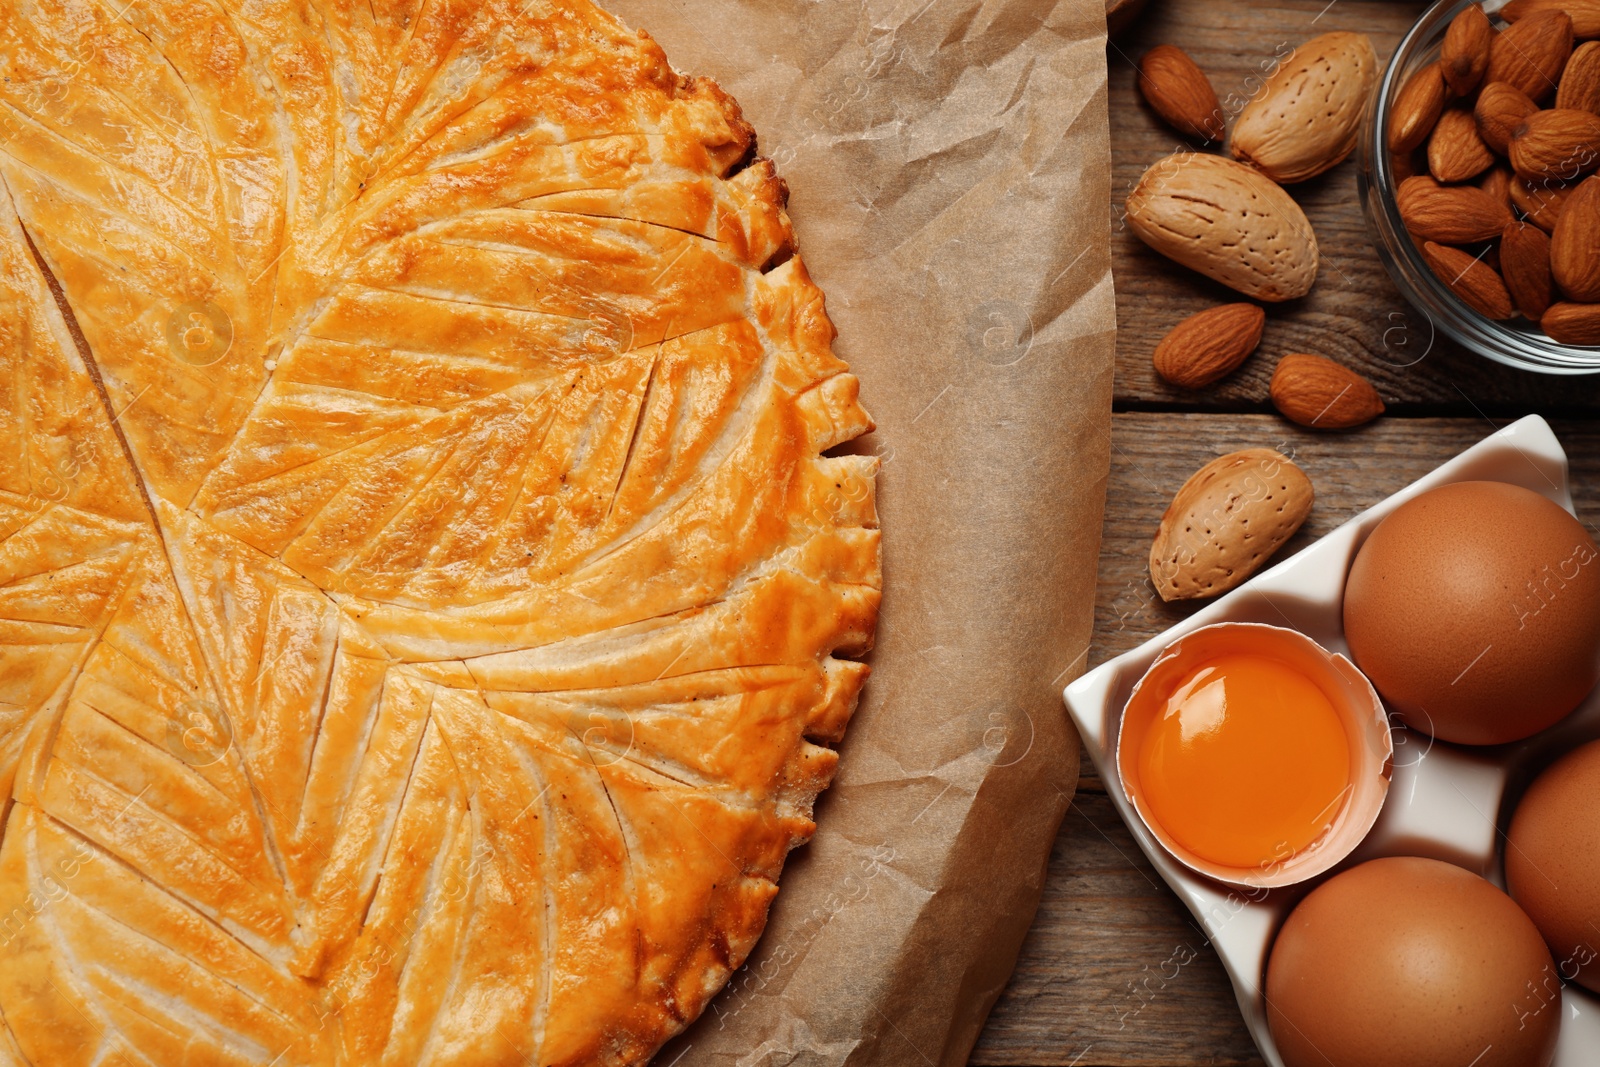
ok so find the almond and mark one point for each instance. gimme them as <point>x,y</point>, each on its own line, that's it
<point>1496,181</point>
<point>1580,81</point>
<point>1319,393</point>
<point>1541,202</point>
<point>1500,110</point>
<point>1575,244</point>
<point>1450,214</point>
<point>1525,265</point>
<point>1475,282</point>
<point>1180,92</point>
<point>1209,344</point>
<point>1455,151</point>
<point>1226,221</point>
<point>1573,324</point>
<point>1531,52</point>
<point>1464,56</point>
<point>1225,521</point>
<point>1556,145</point>
<point>1416,108</point>
<point>1585,14</point>
<point>1306,117</point>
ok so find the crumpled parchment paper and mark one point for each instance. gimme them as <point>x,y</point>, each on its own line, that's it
<point>950,171</point>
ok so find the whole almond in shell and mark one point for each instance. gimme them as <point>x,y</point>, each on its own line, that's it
<point>1556,145</point>
<point>1525,267</point>
<point>1501,109</point>
<point>1531,52</point>
<point>1455,151</point>
<point>1417,108</point>
<point>1450,214</point>
<point>1209,344</point>
<point>1179,91</point>
<point>1573,324</point>
<point>1225,521</point>
<point>1228,222</point>
<point>1474,281</point>
<point>1540,201</point>
<point>1306,117</point>
<point>1580,81</point>
<point>1575,244</point>
<point>1585,14</point>
<point>1464,55</point>
<point>1320,394</point>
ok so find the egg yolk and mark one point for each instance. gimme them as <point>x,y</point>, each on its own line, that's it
<point>1247,763</point>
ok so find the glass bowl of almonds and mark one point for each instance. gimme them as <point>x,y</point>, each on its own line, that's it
<point>1477,177</point>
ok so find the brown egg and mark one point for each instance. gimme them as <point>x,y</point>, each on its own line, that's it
<point>1405,962</point>
<point>1475,610</point>
<point>1553,861</point>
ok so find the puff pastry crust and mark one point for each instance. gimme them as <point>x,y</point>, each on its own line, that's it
<point>423,592</point>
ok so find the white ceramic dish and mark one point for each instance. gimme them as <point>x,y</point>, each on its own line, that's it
<point>1447,802</point>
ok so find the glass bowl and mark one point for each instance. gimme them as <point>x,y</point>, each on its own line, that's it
<point>1514,342</point>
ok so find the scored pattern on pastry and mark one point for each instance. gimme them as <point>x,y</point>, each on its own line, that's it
<point>422,586</point>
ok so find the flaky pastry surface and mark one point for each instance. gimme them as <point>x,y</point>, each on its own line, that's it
<point>423,593</point>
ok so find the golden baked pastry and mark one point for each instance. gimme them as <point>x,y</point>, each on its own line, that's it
<point>420,579</point>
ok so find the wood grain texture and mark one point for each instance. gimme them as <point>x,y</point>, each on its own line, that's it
<point>1354,314</point>
<point>1115,970</point>
<point>1104,942</point>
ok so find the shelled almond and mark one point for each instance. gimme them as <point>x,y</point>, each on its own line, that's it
<point>1456,151</point>
<point>1491,145</point>
<point>1417,108</point>
<point>1473,280</point>
<point>1575,244</point>
<point>1209,345</point>
<point>1531,52</point>
<point>1464,56</point>
<point>1452,214</point>
<point>1500,110</point>
<point>1540,202</point>
<point>1525,266</point>
<point>1580,81</point>
<point>1585,14</point>
<point>1555,145</point>
<point>1496,181</point>
<point>1573,324</point>
<point>1174,85</point>
<point>1318,393</point>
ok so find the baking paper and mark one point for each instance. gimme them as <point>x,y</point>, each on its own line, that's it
<point>950,173</point>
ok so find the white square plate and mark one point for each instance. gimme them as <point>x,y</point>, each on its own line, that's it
<point>1447,802</point>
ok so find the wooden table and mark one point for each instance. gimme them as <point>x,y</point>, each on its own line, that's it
<point>1102,978</point>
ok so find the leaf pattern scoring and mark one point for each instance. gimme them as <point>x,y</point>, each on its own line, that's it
<point>425,597</point>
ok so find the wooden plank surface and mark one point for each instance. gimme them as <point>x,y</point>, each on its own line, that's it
<point>1115,972</point>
